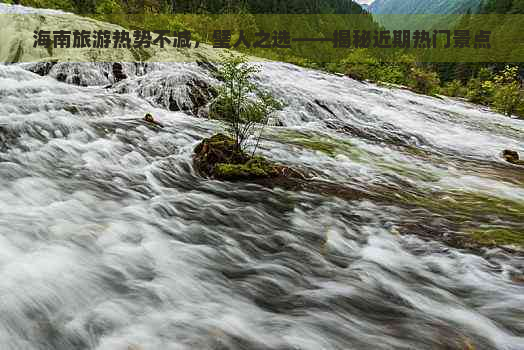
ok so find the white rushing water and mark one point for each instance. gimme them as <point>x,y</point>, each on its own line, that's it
<point>110,240</point>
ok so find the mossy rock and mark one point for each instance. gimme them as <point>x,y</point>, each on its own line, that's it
<point>217,157</point>
<point>256,167</point>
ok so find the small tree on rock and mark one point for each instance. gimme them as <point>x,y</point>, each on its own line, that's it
<point>240,103</point>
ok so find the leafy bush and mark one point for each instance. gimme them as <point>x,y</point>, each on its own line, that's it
<point>108,7</point>
<point>66,5</point>
<point>360,65</point>
<point>454,88</point>
<point>423,81</point>
<point>363,65</point>
<point>507,91</point>
<point>485,74</point>
<point>240,103</point>
<point>479,92</point>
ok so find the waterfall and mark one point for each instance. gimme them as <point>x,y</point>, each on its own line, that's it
<point>110,240</point>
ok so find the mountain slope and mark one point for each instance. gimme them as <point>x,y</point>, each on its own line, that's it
<point>421,14</point>
<point>192,6</point>
<point>423,6</point>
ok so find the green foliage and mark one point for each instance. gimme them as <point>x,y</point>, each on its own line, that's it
<point>502,91</point>
<point>361,64</point>
<point>240,103</point>
<point>108,7</point>
<point>479,92</point>
<point>454,88</point>
<point>424,6</point>
<point>416,14</point>
<point>284,7</point>
<point>212,6</point>
<point>504,6</point>
<point>423,81</point>
<point>66,5</point>
<point>485,74</point>
<point>507,91</point>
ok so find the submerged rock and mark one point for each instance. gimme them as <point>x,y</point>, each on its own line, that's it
<point>512,157</point>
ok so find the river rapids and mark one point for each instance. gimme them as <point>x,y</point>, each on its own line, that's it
<point>109,240</point>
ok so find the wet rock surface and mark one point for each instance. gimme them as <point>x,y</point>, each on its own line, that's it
<point>118,72</point>
<point>512,157</point>
<point>41,68</point>
<point>179,92</point>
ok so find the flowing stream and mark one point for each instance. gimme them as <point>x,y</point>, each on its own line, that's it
<point>110,240</point>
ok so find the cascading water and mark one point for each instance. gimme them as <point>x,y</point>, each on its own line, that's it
<point>109,240</point>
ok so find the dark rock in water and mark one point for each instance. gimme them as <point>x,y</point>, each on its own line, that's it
<point>256,167</point>
<point>75,79</point>
<point>118,72</point>
<point>276,122</point>
<point>517,278</point>
<point>512,157</point>
<point>7,138</point>
<point>200,93</point>
<point>149,118</point>
<point>217,157</point>
<point>61,77</point>
<point>41,68</point>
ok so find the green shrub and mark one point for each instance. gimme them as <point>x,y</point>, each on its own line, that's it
<point>454,88</point>
<point>423,81</point>
<point>485,74</point>
<point>507,97</point>
<point>240,103</point>
<point>108,7</point>
<point>362,65</point>
<point>66,5</point>
<point>479,92</point>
